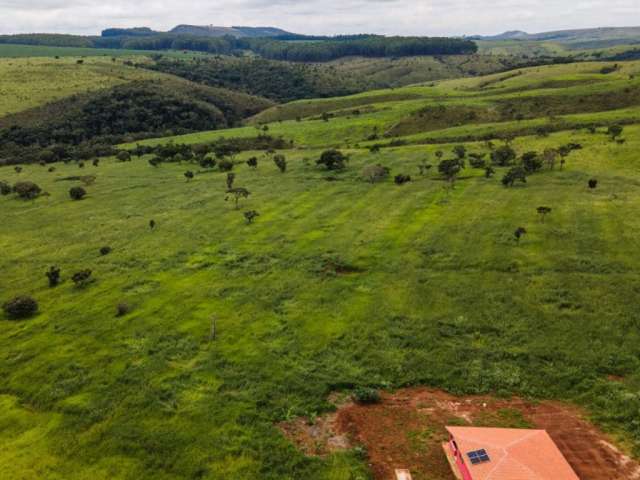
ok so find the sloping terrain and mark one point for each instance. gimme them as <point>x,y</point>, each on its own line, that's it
<point>204,326</point>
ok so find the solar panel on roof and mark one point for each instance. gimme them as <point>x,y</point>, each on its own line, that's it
<point>478,456</point>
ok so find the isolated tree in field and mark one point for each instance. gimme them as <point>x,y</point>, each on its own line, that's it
<point>17,168</point>
<point>531,162</point>
<point>281,163</point>
<point>615,131</point>
<point>237,193</point>
<point>460,151</point>
<point>450,169</point>
<point>543,212</point>
<point>80,164</point>
<point>123,156</point>
<point>20,307</point>
<point>77,193</point>
<point>189,175</point>
<point>96,162</point>
<point>222,150</point>
<point>489,172</point>
<point>152,224</point>
<point>503,156</point>
<point>253,162</point>
<point>513,175</point>
<point>250,216</point>
<point>27,190</point>
<point>82,278</point>
<point>53,274</point>
<point>593,183</point>
<point>332,159</point>
<point>519,233</point>
<point>106,250</point>
<point>231,177</point>
<point>375,173</point>
<point>564,152</point>
<point>402,179</point>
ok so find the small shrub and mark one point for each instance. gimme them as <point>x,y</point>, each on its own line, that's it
<point>375,173</point>
<point>106,250</point>
<point>281,163</point>
<point>20,307</point>
<point>366,395</point>
<point>593,183</point>
<point>96,162</point>
<point>152,224</point>
<point>332,159</point>
<point>18,169</point>
<point>52,169</point>
<point>77,193</point>
<point>513,175</point>
<point>402,179</point>
<point>27,190</point>
<point>122,309</point>
<point>5,188</point>
<point>231,177</point>
<point>123,156</point>
<point>253,162</point>
<point>189,175</point>
<point>250,216</point>
<point>225,165</point>
<point>53,274</point>
<point>82,278</point>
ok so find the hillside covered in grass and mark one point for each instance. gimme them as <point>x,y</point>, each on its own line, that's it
<point>417,257</point>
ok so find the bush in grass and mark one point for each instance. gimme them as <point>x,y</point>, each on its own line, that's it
<point>27,190</point>
<point>122,309</point>
<point>375,173</point>
<point>53,274</point>
<point>18,169</point>
<point>123,156</point>
<point>281,163</point>
<point>82,278</point>
<point>593,183</point>
<point>206,162</point>
<point>189,175</point>
<point>366,395</point>
<point>77,193</point>
<point>5,188</point>
<point>250,216</point>
<point>96,162</point>
<point>476,160</point>
<point>402,179</point>
<point>225,165</point>
<point>253,162</point>
<point>20,307</point>
<point>332,159</point>
<point>231,177</point>
<point>106,250</point>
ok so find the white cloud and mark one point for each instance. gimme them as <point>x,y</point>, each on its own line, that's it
<point>402,17</point>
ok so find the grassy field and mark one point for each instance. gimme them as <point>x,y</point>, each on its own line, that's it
<point>339,283</point>
<point>31,82</point>
<point>21,51</point>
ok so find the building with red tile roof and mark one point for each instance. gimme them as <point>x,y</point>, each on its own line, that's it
<point>476,453</point>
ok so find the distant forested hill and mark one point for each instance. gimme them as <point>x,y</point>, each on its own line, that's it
<point>299,49</point>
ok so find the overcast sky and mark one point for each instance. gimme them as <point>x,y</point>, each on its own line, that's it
<point>403,17</point>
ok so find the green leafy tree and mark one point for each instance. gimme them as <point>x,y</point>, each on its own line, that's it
<point>519,233</point>
<point>332,159</point>
<point>531,162</point>
<point>460,151</point>
<point>77,193</point>
<point>250,216</point>
<point>53,275</point>
<point>450,169</point>
<point>231,177</point>
<point>543,212</point>
<point>503,156</point>
<point>513,175</point>
<point>237,193</point>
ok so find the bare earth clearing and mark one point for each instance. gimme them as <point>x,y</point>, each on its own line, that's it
<point>406,429</point>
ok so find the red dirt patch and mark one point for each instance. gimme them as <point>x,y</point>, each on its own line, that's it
<point>406,429</point>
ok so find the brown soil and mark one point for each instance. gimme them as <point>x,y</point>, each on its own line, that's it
<point>406,429</point>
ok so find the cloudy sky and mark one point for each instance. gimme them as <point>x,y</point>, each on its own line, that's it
<point>404,17</point>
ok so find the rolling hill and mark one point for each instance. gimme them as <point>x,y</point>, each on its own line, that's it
<point>199,333</point>
<point>238,32</point>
